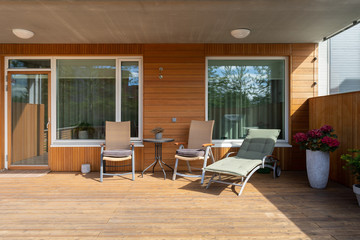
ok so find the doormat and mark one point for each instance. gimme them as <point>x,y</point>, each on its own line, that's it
<point>23,173</point>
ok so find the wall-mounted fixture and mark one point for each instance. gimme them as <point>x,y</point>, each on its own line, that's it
<point>22,33</point>
<point>160,73</point>
<point>240,32</point>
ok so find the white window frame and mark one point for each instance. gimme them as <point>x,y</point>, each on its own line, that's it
<point>79,142</point>
<point>238,142</point>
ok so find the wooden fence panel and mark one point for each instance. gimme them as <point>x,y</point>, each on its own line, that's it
<point>342,112</point>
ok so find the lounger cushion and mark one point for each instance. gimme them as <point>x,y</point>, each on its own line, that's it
<point>258,143</point>
<point>119,153</point>
<point>190,152</point>
<point>234,166</point>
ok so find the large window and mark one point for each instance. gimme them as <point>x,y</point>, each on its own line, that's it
<point>85,97</point>
<point>246,93</point>
<point>90,92</point>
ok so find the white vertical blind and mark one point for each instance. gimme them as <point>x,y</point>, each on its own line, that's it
<point>85,97</point>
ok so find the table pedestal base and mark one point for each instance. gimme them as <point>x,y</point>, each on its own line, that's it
<point>158,159</point>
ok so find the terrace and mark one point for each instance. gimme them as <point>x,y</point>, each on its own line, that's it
<point>163,64</point>
<point>76,206</point>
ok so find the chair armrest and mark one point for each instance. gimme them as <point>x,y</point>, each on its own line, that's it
<point>180,144</point>
<point>272,157</point>
<point>102,145</point>
<point>208,145</point>
<point>228,154</point>
<point>268,157</point>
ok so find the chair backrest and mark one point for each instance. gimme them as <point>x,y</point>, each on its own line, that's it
<point>117,135</point>
<point>200,133</point>
<point>258,143</point>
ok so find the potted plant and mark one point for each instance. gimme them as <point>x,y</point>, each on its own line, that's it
<point>158,132</point>
<point>318,143</point>
<point>352,162</point>
<point>84,130</point>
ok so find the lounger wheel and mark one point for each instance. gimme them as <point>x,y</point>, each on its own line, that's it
<point>277,171</point>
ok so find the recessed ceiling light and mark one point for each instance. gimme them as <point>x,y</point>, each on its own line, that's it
<point>240,33</point>
<point>22,33</point>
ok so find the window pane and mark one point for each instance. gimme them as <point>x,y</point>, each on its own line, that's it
<point>130,95</point>
<point>344,61</point>
<point>29,63</point>
<point>29,117</point>
<point>85,97</point>
<point>245,94</point>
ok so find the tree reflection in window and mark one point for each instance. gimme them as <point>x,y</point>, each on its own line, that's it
<point>245,94</point>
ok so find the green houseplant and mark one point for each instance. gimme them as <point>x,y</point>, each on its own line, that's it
<point>352,162</point>
<point>318,143</point>
<point>85,130</point>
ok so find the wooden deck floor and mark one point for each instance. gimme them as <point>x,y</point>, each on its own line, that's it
<point>73,206</point>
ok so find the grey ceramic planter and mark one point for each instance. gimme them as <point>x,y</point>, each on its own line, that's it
<point>158,136</point>
<point>317,166</point>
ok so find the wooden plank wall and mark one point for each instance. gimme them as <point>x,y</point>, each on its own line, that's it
<point>181,92</point>
<point>70,159</point>
<point>303,70</point>
<point>342,111</point>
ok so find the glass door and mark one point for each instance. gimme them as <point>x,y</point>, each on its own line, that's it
<point>28,118</point>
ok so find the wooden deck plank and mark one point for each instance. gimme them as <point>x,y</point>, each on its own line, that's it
<point>76,206</point>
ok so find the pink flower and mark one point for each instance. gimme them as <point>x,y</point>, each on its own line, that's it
<point>332,142</point>
<point>315,133</point>
<point>326,128</point>
<point>318,139</point>
<point>300,137</point>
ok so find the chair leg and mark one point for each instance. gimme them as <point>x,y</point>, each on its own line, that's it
<point>189,167</point>
<point>209,183</point>
<point>133,165</point>
<point>101,169</point>
<point>175,169</point>
<point>212,156</point>
<point>203,172</point>
<point>247,179</point>
<point>204,165</point>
